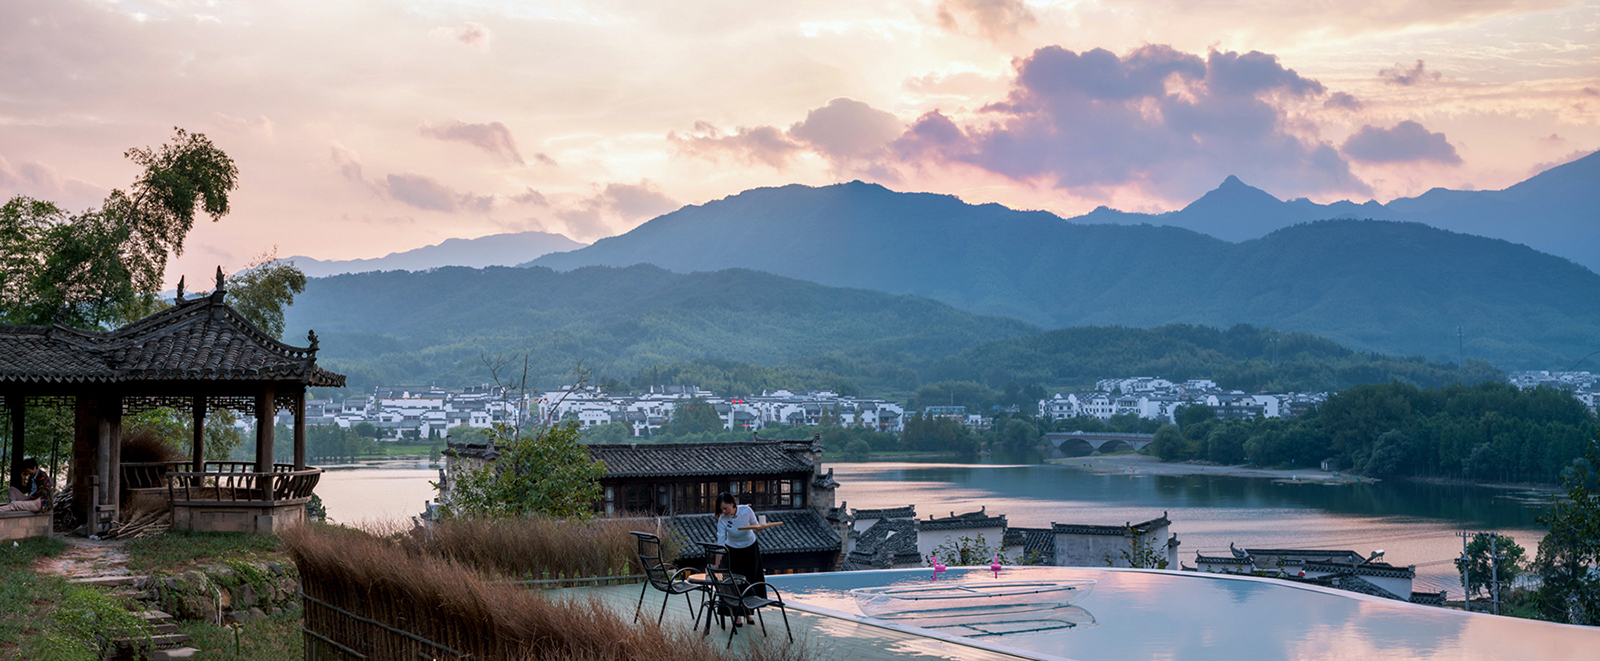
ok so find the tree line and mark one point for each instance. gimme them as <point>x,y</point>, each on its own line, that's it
<point>1489,431</point>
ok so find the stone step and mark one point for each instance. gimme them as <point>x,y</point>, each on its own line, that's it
<point>106,581</point>
<point>174,654</point>
<point>154,616</point>
<point>155,642</point>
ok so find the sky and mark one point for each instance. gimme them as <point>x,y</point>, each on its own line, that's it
<point>367,127</point>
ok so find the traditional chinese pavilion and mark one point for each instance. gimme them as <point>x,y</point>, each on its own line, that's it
<point>197,356</point>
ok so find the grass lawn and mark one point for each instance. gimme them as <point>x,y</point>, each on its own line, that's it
<point>275,638</point>
<point>27,596</point>
<point>176,550</point>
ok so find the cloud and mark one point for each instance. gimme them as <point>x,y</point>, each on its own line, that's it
<point>1154,118</point>
<point>1573,156</point>
<point>1408,141</point>
<point>1555,140</point>
<point>1400,75</point>
<point>530,196</point>
<point>846,130</point>
<point>1343,101</point>
<point>260,126</point>
<point>42,182</point>
<point>995,19</point>
<point>492,137</point>
<point>420,192</point>
<point>642,200</point>
<point>470,34</point>
<point>544,159</point>
<point>848,133</point>
<point>766,145</point>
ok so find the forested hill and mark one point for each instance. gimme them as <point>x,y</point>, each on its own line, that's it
<point>741,331</point>
<point>1400,288</point>
<point>1554,211</point>
<point>434,326</point>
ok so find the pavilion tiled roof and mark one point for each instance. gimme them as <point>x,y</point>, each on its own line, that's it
<point>197,339</point>
<point>803,531</point>
<point>735,458</point>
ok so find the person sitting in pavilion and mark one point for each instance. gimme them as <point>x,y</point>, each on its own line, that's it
<point>37,497</point>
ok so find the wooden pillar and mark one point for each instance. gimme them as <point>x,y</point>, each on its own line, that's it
<point>266,412</point>
<point>300,430</point>
<point>112,416</point>
<point>199,445</point>
<point>17,407</point>
<point>85,457</point>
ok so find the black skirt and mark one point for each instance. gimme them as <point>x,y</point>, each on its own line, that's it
<point>746,562</point>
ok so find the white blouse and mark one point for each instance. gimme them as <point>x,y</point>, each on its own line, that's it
<point>728,528</point>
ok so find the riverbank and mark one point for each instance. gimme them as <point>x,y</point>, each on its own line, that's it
<point>1139,464</point>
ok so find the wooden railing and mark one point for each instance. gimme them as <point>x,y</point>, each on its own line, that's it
<point>152,474</point>
<point>284,486</point>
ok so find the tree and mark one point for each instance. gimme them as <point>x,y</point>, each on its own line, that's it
<point>1168,443</point>
<point>548,473</point>
<point>858,450</point>
<point>1479,563</point>
<point>264,289</point>
<point>611,432</point>
<point>104,266</point>
<point>365,430</point>
<point>693,416</point>
<point>1569,555</point>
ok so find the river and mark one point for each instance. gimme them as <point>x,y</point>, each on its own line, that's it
<point>1414,523</point>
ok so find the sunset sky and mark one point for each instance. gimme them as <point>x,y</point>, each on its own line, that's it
<point>363,128</point>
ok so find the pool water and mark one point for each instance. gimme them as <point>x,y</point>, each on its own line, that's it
<point>1141,614</point>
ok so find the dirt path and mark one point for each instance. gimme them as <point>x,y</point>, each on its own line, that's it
<point>86,558</point>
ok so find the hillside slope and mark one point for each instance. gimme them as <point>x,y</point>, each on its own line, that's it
<point>1401,288</point>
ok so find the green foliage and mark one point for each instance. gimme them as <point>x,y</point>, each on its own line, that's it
<point>930,434</point>
<point>333,444</point>
<point>1478,563</point>
<point>262,291</point>
<point>103,266</point>
<point>611,432</point>
<point>693,416</point>
<point>968,552</point>
<point>174,427</point>
<point>1569,555</point>
<point>273,638</point>
<point>1141,553</point>
<point>1489,431</point>
<point>174,550</point>
<point>548,473</point>
<point>85,622</point>
<point>858,450</point>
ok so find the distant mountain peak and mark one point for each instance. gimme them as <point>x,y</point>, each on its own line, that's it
<point>1231,195</point>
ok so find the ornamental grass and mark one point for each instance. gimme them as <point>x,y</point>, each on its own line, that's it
<point>432,590</point>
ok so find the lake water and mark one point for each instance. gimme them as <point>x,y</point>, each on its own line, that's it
<point>1415,524</point>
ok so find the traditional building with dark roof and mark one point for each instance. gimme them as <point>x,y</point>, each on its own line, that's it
<point>196,356</point>
<point>680,481</point>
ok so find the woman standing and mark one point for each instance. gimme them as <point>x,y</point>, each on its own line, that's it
<point>744,553</point>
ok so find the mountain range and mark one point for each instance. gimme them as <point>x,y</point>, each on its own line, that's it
<point>492,250</point>
<point>1392,287</point>
<point>1556,211</point>
<point>746,331</point>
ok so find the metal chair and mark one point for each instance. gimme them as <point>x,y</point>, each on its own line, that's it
<point>662,576</point>
<point>729,595</point>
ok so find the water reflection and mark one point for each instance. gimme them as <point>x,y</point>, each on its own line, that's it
<point>1414,522</point>
<point>1144,615</point>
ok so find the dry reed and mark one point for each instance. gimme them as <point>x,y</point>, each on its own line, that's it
<point>447,601</point>
<point>535,548</point>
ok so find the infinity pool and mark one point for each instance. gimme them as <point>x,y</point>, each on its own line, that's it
<point>1143,614</point>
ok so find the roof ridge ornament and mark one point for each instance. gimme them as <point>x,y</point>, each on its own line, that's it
<point>180,289</point>
<point>312,336</point>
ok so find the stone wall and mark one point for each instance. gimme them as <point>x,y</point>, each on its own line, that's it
<point>22,525</point>
<point>237,591</point>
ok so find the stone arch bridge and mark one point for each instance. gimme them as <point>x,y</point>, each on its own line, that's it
<point>1082,443</point>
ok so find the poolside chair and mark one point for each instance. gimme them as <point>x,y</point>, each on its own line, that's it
<point>664,577</point>
<point>730,596</point>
